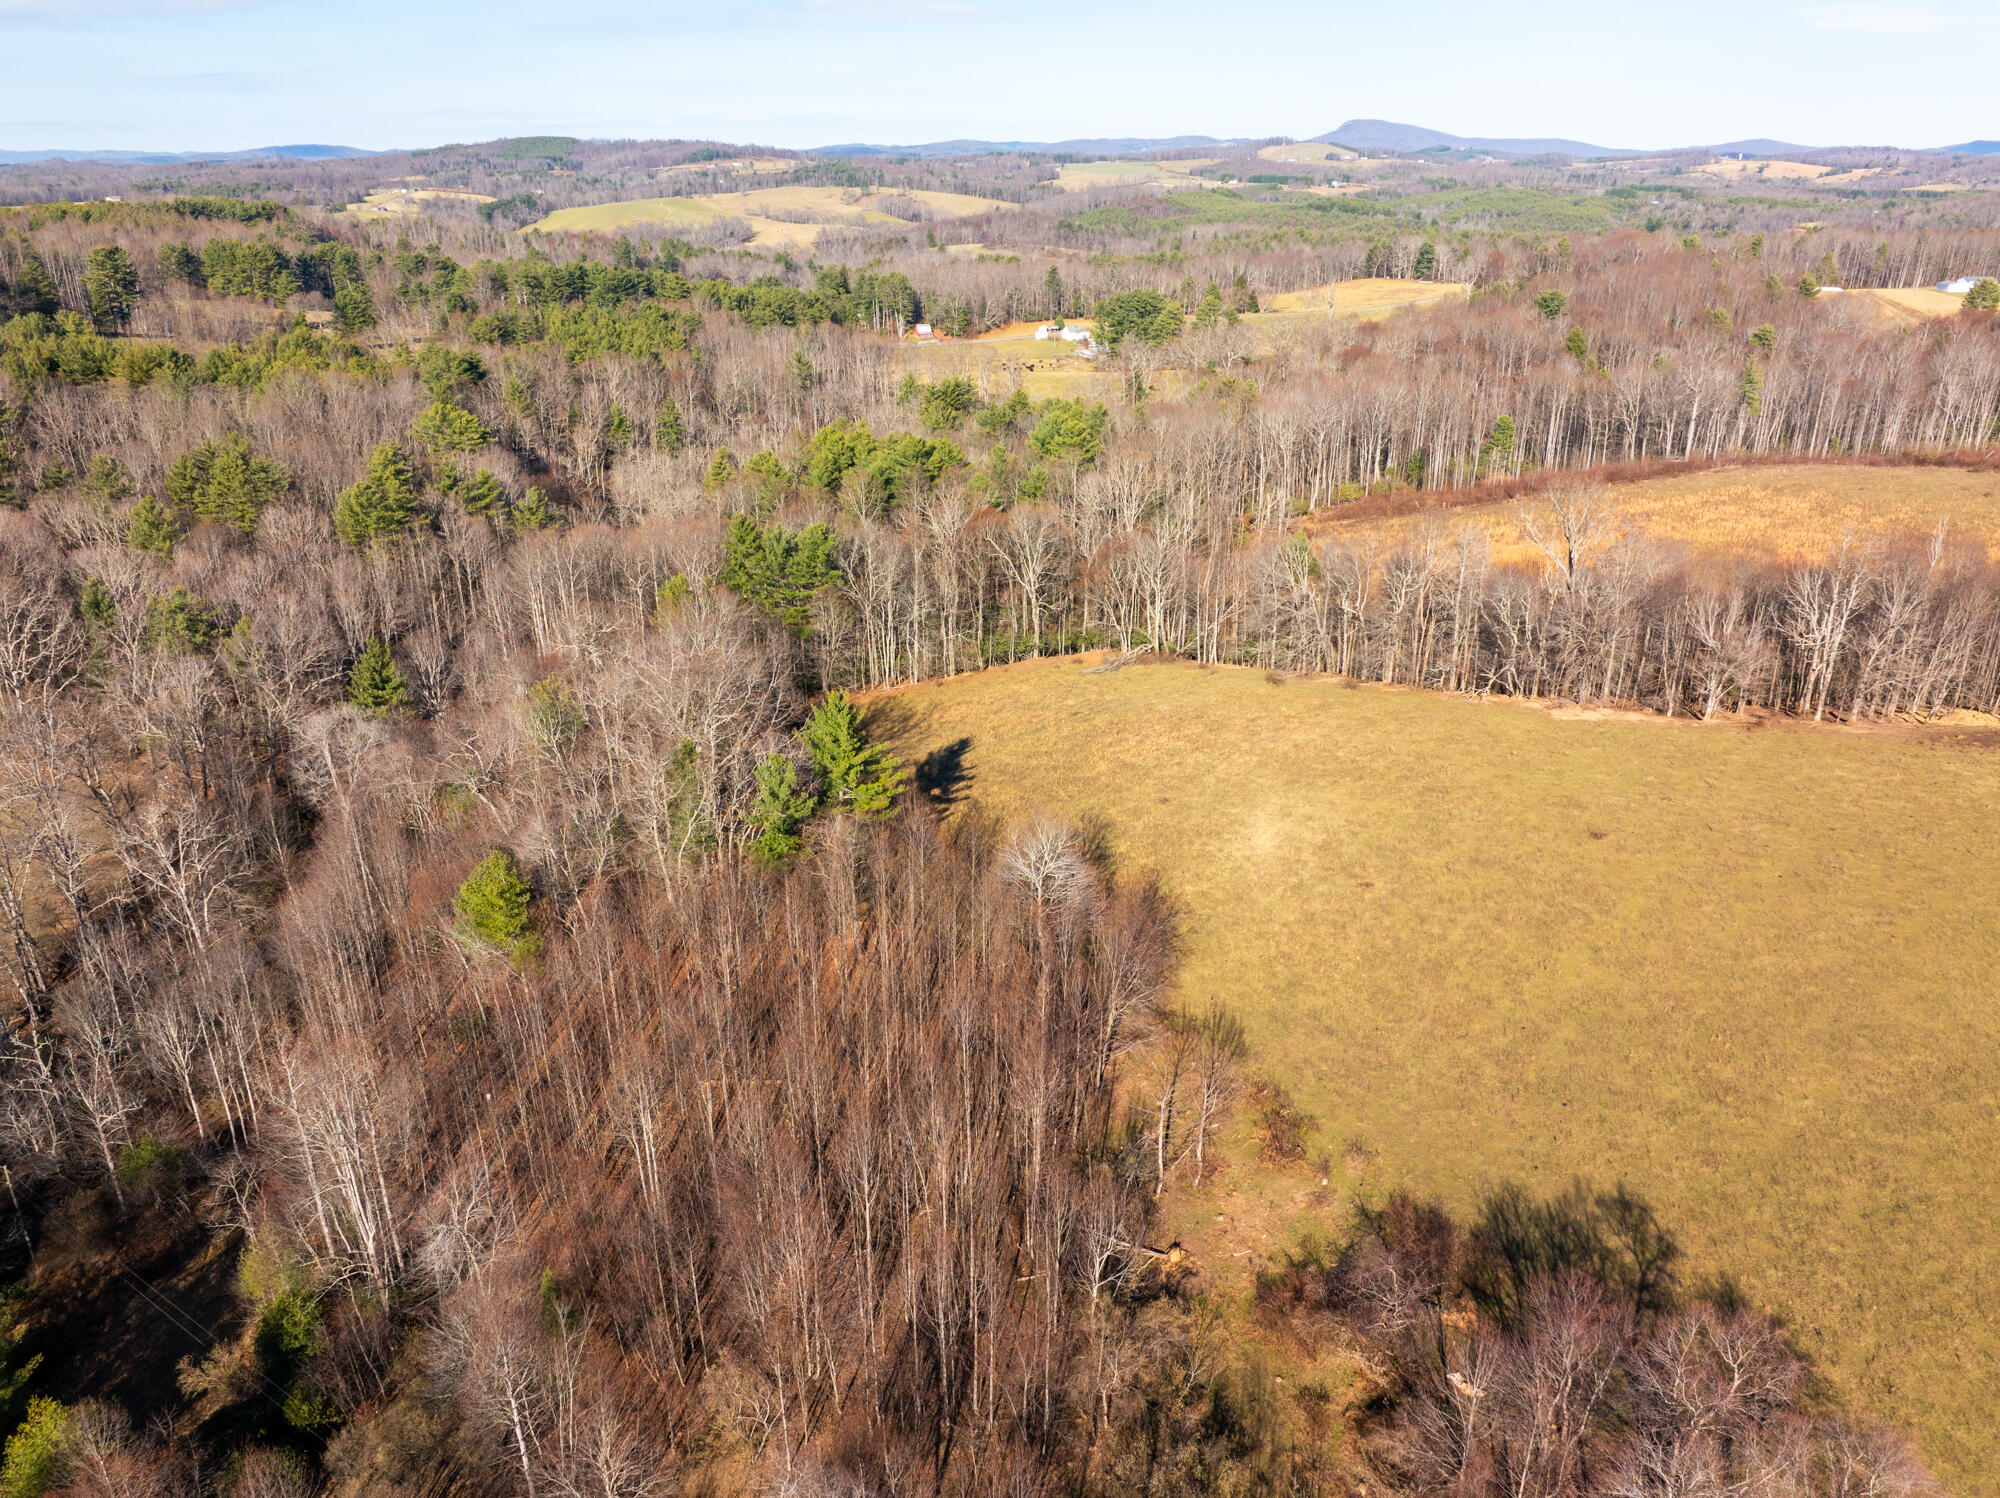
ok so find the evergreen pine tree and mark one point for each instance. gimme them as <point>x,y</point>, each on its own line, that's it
<point>150,529</point>
<point>1577,344</point>
<point>353,307</point>
<point>111,283</point>
<point>383,503</point>
<point>857,776</point>
<point>493,905</point>
<point>449,428</point>
<point>534,512</point>
<point>721,469</point>
<point>669,434</point>
<point>223,480</point>
<point>34,287</point>
<point>1753,387</point>
<point>375,685</point>
<point>780,811</point>
<point>1427,261</point>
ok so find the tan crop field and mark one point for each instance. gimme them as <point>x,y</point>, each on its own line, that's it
<point>410,200</point>
<point>1077,175</point>
<point>1748,969</point>
<point>1777,170</point>
<point>1303,151</point>
<point>1376,294</point>
<point>769,211</point>
<point>1907,305</point>
<point>1790,513</point>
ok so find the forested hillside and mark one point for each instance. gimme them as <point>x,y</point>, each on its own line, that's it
<point>484,1017</point>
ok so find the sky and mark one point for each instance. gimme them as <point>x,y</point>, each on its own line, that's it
<point>202,75</point>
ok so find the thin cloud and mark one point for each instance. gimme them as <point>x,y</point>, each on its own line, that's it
<point>1879,19</point>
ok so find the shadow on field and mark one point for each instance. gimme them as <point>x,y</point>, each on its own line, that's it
<point>942,776</point>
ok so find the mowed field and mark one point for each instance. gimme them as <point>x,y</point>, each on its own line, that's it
<point>1791,513</point>
<point>756,206</point>
<point>1750,970</point>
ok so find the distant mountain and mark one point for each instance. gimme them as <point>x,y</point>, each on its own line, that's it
<point>1116,146</point>
<point>1974,148</point>
<point>1384,135</point>
<point>168,158</point>
<point>1756,148</point>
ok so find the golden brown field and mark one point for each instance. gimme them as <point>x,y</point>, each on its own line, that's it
<point>1748,969</point>
<point>1787,512</point>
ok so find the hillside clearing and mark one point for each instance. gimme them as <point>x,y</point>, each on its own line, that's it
<point>769,211</point>
<point>1788,512</point>
<point>1744,971</point>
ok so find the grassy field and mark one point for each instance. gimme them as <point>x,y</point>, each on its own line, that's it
<point>1077,175</point>
<point>1748,969</point>
<point>1908,305</point>
<point>1379,295</point>
<point>1303,151</point>
<point>1791,512</point>
<point>410,200</point>
<point>829,204</point>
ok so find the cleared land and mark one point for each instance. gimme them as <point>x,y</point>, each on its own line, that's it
<point>1077,175</point>
<point>1908,305</point>
<point>769,211</point>
<point>1748,970</point>
<point>1791,513</point>
<point>1792,170</point>
<point>1376,294</point>
<point>1304,151</point>
<point>410,199</point>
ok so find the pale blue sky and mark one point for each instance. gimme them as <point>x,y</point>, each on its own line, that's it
<point>226,74</point>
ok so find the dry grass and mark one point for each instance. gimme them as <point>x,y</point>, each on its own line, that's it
<point>1790,513</point>
<point>1907,305</point>
<point>1075,176</point>
<point>1303,151</point>
<point>1780,170</point>
<point>1378,294</point>
<point>757,205</point>
<point>1747,969</point>
<point>410,200</point>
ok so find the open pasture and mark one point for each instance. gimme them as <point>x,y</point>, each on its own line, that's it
<point>1748,969</point>
<point>1786,512</point>
<point>772,211</point>
<point>1078,175</point>
<point>1375,294</point>
<point>1782,171</point>
<point>409,200</point>
<point>1300,152</point>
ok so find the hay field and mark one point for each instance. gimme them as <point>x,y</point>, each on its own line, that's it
<point>410,200</point>
<point>757,207</point>
<point>1789,513</point>
<point>1380,294</point>
<point>1906,305</point>
<point>1776,170</point>
<point>1303,151</point>
<point>1074,176</point>
<point>1749,970</point>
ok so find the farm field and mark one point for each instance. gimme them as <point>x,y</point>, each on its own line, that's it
<point>1376,294</point>
<point>1907,305</point>
<point>1075,176</point>
<point>1303,151</point>
<point>409,199</point>
<point>757,207</point>
<point>1789,513</point>
<point>1744,968</point>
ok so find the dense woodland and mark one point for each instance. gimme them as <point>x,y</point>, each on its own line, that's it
<point>443,875</point>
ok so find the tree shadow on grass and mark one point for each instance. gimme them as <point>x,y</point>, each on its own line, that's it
<point>942,776</point>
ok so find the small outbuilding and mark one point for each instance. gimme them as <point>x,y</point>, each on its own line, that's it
<point>1959,287</point>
